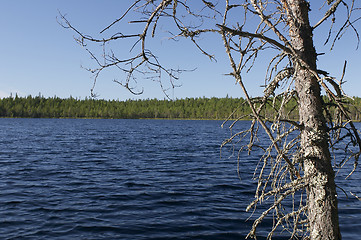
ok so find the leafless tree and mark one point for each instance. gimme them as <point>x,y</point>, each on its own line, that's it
<point>296,170</point>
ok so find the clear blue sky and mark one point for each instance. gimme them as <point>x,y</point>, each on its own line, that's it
<point>38,56</point>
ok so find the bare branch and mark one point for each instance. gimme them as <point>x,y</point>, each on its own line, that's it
<point>329,12</point>
<point>119,19</point>
<point>277,127</point>
<point>258,36</point>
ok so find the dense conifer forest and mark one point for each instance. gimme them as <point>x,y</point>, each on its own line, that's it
<point>189,108</point>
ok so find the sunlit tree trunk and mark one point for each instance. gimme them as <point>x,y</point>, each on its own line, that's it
<point>321,190</point>
<point>285,30</point>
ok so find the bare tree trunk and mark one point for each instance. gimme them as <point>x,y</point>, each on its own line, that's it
<point>321,189</point>
<point>293,67</point>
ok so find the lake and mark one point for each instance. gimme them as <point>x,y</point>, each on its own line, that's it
<point>130,179</point>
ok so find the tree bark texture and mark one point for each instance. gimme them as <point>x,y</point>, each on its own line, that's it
<point>321,189</point>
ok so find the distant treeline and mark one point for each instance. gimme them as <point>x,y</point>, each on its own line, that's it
<point>189,108</point>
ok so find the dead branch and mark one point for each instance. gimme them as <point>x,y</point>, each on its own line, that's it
<point>280,171</point>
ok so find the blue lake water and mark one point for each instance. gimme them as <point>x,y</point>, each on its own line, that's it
<point>130,179</point>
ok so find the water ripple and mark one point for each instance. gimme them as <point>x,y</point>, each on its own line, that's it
<point>127,179</point>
